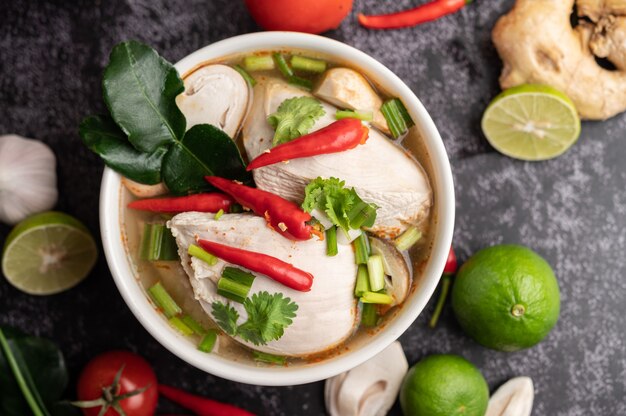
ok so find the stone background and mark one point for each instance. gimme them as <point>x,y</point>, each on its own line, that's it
<point>572,209</point>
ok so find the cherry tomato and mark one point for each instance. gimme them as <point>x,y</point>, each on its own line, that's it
<point>311,16</point>
<point>98,376</point>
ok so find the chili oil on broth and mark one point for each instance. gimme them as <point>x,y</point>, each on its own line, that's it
<point>175,280</point>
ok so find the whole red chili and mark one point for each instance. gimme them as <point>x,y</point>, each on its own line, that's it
<point>420,14</point>
<point>337,137</point>
<point>199,405</point>
<point>283,216</point>
<point>212,202</point>
<point>271,267</point>
<point>449,270</point>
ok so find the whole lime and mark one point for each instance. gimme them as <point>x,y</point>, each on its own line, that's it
<point>444,385</point>
<point>506,297</point>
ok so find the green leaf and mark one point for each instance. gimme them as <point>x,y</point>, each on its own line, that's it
<point>140,90</point>
<point>294,118</point>
<point>204,151</point>
<point>268,316</point>
<point>43,367</point>
<point>103,137</point>
<point>226,317</point>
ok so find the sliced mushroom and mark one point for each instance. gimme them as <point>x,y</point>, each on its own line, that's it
<point>144,191</point>
<point>395,267</point>
<point>346,88</point>
<point>369,389</point>
<point>513,398</point>
<point>217,95</point>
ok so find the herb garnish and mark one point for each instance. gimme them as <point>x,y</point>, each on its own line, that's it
<point>294,118</point>
<point>268,316</point>
<point>342,205</point>
<point>144,137</point>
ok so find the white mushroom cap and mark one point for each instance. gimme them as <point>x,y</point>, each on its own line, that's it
<point>395,267</point>
<point>513,398</point>
<point>346,88</point>
<point>217,95</point>
<point>369,389</point>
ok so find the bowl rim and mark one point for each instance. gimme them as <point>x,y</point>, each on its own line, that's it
<point>442,183</point>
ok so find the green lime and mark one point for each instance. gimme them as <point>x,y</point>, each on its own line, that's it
<point>48,253</point>
<point>444,385</point>
<point>531,122</point>
<point>506,297</point>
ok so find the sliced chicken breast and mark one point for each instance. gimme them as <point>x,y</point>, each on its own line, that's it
<point>327,314</point>
<point>380,171</point>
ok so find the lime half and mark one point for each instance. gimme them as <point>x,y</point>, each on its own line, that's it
<point>48,253</point>
<point>531,122</point>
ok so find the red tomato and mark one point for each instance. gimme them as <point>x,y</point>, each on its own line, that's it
<point>311,16</point>
<point>99,375</point>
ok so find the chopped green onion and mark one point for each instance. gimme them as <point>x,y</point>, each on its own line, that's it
<point>398,118</point>
<point>407,239</point>
<point>379,298</point>
<point>362,215</point>
<point>369,315</point>
<point>361,115</point>
<point>308,64</point>
<point>331,241</point>
<point>218,214</point>
<point>249,79</point>
<point>362,281</point>
<point>208,341</point>
<point>269,358</point>
<point>376,272</point>
<point>232,290</point>
<point>200,254</point>
<point>307,84</point>
<point>193,324</point>
<point>283,67</point>
<point>361,249</point>
<point>164,301</point>
<point>180,326</point>
<point>238,276</point>
<point>158,244</point>
<point>258,63</point>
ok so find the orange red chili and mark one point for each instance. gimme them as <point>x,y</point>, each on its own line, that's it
<point>211,202</point>
<point>420,14</point>
<point>271,267</point>
<point>339,136</point>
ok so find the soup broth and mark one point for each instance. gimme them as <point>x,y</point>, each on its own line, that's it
<point>175,280</point>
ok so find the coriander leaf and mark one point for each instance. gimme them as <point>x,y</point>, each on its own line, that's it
<point>140,90</point>
<point>342,205</point>
<point>41,364</point>
<point>204,151</point>
<point>103,137</point>
<point>294,118</point>
<point>268,316</point>
<point>226,317</point>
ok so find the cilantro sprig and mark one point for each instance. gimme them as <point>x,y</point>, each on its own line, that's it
<point>342,205</point>
<point>268,316</point>
<point>294,118</point>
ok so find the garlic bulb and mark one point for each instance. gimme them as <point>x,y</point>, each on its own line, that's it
<point>28,180</point>
<point>369,389</point>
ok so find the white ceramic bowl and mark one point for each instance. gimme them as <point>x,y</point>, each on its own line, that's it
<point>441,180</point>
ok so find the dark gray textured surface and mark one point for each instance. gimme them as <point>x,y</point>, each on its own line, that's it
<point>572,210</point>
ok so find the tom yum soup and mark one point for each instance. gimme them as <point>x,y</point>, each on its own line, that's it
<point>277,205</point>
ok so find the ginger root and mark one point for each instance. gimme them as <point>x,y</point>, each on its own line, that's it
<point>538,45</point>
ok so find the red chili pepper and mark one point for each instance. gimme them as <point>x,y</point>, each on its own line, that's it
<point>200,202</point>
<point>283,216</point>
<point>451,264</point>
<point>420,14</point>
<point>271,267</point>
<point>449,270</point>
<point>341,135</point>
<point>199,405</point>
